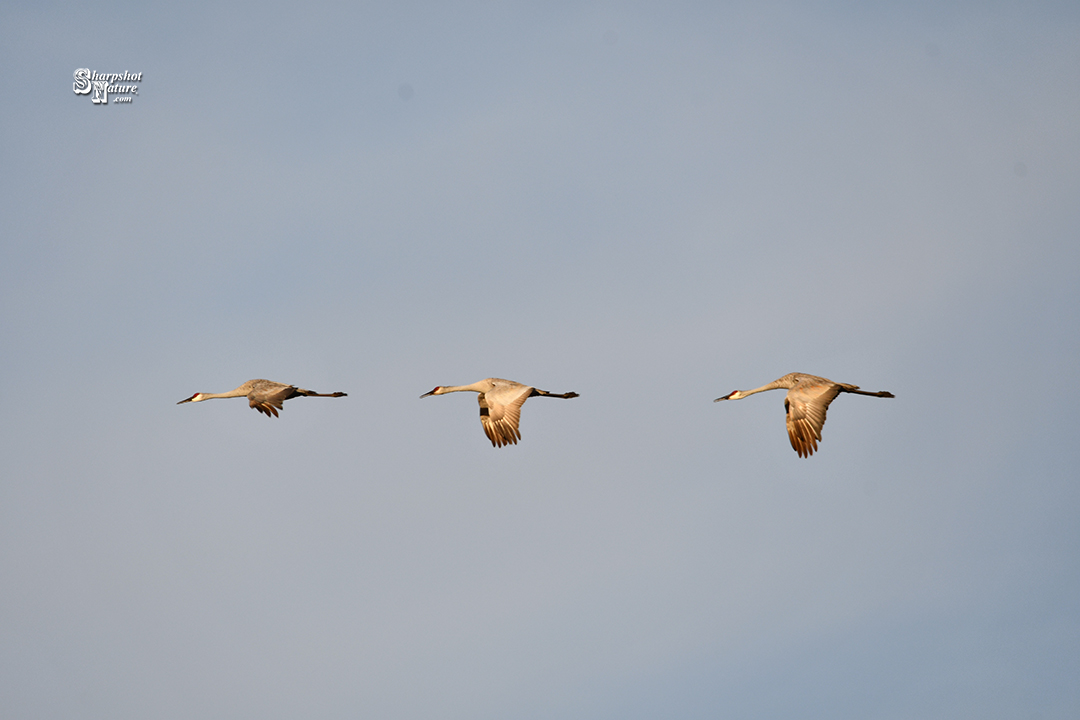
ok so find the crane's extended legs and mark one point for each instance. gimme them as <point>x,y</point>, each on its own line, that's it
<point>545,393</point>
<point>308,393</point>
<point>883,393</point>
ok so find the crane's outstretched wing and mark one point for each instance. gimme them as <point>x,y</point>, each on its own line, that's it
<point>806,405</point>
<point>500,412</point>
<point>268,398</point>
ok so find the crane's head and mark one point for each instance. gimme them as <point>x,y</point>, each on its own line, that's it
<point>194,398</point>
<point>436,391</point>
<point>733,395</point>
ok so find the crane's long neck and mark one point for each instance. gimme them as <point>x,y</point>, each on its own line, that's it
<point>774,385</point>
<point>479,387</point>
<point>238,392</point>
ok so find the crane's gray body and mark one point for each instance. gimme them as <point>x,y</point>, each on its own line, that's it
<point>266,396</point>
<point>500,405</point>
<point>807,400</point>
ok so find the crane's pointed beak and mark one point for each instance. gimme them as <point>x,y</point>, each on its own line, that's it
<point>726,397</point>
<point>188,400</point>
<point>428,393</point>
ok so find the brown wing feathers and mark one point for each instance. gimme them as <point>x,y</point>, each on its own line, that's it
<point>500,422</point>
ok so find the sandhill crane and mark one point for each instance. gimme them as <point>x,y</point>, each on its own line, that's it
<point>266,396</point>
<point>500,406</point>
<point>807,400</point>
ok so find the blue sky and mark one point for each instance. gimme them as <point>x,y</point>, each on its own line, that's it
<point>651,206</point>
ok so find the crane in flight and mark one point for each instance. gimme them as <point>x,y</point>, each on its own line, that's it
<point>266,396</point>
<point>500,406</point>
<point>807,400</point>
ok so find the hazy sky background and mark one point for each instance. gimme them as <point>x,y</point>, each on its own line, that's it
<point>649,204</point>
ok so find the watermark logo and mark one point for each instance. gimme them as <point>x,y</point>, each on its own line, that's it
<point>104,84</point>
